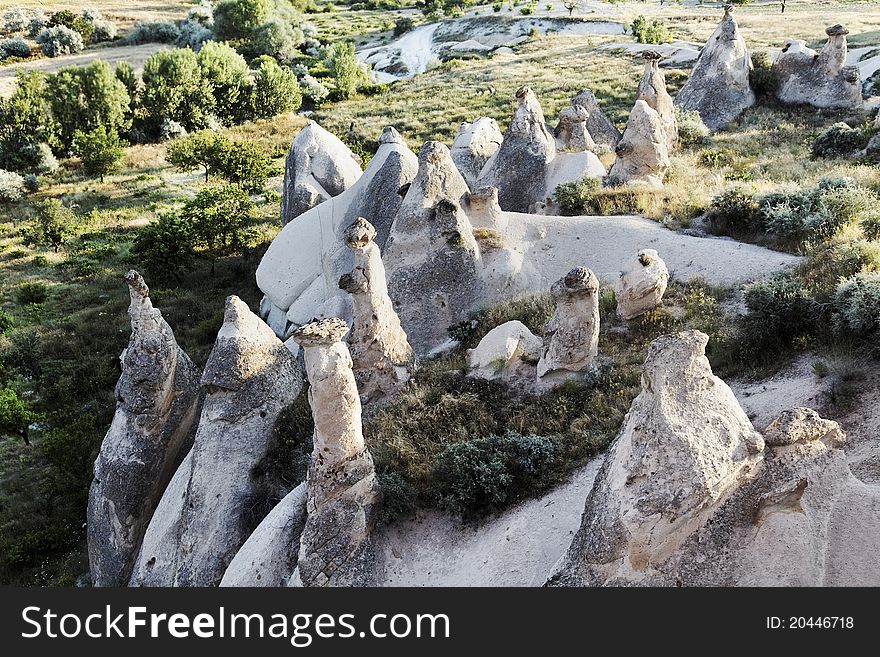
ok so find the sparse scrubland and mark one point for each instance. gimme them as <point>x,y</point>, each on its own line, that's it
<point>117,183</point>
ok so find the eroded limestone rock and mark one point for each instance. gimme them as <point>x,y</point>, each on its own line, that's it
<point>571,337</point>
<point>380,351</point>
<point>157,403</point>
<point>642,154</point>
<point>507,353</point>
<point>642,284</point>
<point>343,494</point>
<point>652,89</point>
<point>718,87</point>
<point>802,425</point>
<point>602,130</point>
<point>820,79</point>
<point>474,144</point>
<point>318,167</point>
<point>571,132</point>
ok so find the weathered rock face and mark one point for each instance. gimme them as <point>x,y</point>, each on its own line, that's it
<point>474,144</point>
<point>506,353</point>
<point>379,348</point>
<point>300,270</point>
<point>642,284</point>
<point>343,494</point>
<point>652,89</point>
<point>571,132</point>
<point>684,445</point>
<point>718,87</point>
<point>819,79</point>
<point>571,337</point>
<point>802,425</point>
<point>250,378</point>
<point>484,211</point>
<point>318,167</point>
<point>600,127</point>
<point>642,155</point>
<point>519,168</point>
<point>157,403</point>
<point>432,258</point>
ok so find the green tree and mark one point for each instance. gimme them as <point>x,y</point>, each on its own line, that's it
<point>166,248</point>
<point>201,149</point>
<point>244,163</point>
<point>234,19</point>
<point>53,224</point>
<point>175,89</point>
<point>276,90</point>
<point>71,449</point>
<point>228,74</point>
<point>219,217</point>
<point>276,38</point>
<point>100,150</point>
<point>16,415</point>
<point>86,97</point>
<point>343,64</point>
<point>26,123</point>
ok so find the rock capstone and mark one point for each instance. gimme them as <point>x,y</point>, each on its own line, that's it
<point>642,284</point>
<point>652,89</point>
<point>601,129</point>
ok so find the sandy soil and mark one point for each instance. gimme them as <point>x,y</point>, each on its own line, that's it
<point>516,548</point>
<point>134,55</point>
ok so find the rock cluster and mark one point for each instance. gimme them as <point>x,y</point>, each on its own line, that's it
<point>318,167</point>
<point>157,401</point>
<point>380,351</point>
<point>507,353</point>
<point>602,130</point>
<point>820,79</point>
<point>652,89</point>
<point>642,284</point>
<point>343,493</point>
<point>571,132</point>
<point>474,144</point>
<point>718,87</point>
<point>642,153</point>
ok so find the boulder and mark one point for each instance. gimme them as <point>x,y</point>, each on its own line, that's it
<point>718,87</point>
<point>157,403</point>
<point>343,493</point>
<point>249,379</point>
<point>474,144</point>
<point>318,167</point>
<point>571,337</point>
<point>601,129</point>
<point>301,267</point>
<point>820,79</point>
<point>642,154</point>
<point>642,284</point>
<point>802,425</point>
<point>519,168</point>
<point>507,353</point>
<point>432,258</point>
<point>379,348</point>
<point>571,132</point>
<point>652,89</point>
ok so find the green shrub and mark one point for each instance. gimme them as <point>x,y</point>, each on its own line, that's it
<point>402,25</point>
<point>276,38</point>
<point>528,10</point>
<point>781,312</point>
<point>100,151</point>
<point>227,73</point>
<point>870,224</point>
<point>26,126</point>
<point>234,19</point>
<point>32,292</point>
<point>244,163</point>
<point>533,310</point>
<point>6,322</point>
<point>176,90</point>
<point>857,305</point>
<point>399,497</point>
<point>577,198</point>
<point>344,66</point>
<point>840,140</point>
<point>654,31</point>
<point>691,129</point>
<point>165,249</point>
<point>482,475</point>
<point>497,6</point>
<point>59,40</point>
<point>16,414</point>
<point>734,211</point>
<point>761,77</point>
<point>219,217</point>
<point>275,91</point>
<point>52,226</point>
<point>153,32</point>
<point>16,47</point>
<point>203,149</point>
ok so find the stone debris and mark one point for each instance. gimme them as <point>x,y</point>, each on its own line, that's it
<point>642,154</point>
<point>642,284</point>
<point>652,89</point>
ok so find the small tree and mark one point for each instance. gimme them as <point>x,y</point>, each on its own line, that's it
<point>53,224</point>
<point>25,123</point>
<point>244,163</point>
<point>166,248</point>
<point>175,89</point>
<point>218,216</point>
<point>227,73</point>
<point>100,151</point>
<point>343,64</point>
<point>276,90</point>
<point>571,5</point>
<point>15,415</point>
<point>203,149</point>
<point>234,19</point>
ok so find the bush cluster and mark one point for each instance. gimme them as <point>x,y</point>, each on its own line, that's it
<point>654,31</point>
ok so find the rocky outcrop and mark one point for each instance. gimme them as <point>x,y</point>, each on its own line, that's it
<point>802,425</point>
<point>157,402</point>
<point>519,168</point>
<point>718,87</point>
<point>652,89</point>
<point>225,487</point>
<point>432,258</point>
<point>318,167</point>
<point>507,353</point>
<point>343,493</point>
<point>642,155</point>
<point>642,284</point>
<point>571,132</point>
<point>571,337</point>
<point>380,351</point>
<point>820,79</point>
<point>474,144</point>
<point>302,266</point>
<point>601,129</point>
<point>484,211</point>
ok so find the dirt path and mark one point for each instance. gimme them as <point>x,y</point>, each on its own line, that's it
<point>134,55</point>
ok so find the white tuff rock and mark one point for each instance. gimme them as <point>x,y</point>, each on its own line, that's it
<point>642,154</point>
<point>601,129</point>
<point>652,89</point>
<point>642,284</point>
<point>474,144</point>
<point>508,353</point>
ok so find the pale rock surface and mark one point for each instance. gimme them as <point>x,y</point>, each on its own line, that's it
<point>571,337</point>
<point>226,484</point>
<point>570,167</point>
<point>642,154</point>
<point>519,168</point>
<point>599,126</point>
<point>718,87</point>
<point>642,284</point>
<point>484,211</point>
<point>652,89</point>
<point>474,144</point>
<point>269,555</point>
<point>507,353</point>
<point>318,167</point>
<point>571,132</point>
<point>157,402</point>
<point>432,259</point>
<point>343,493</point>
<point>802,425</point>
<point>820,79</point>
<point>302,266</point>
<point>380,351</point>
